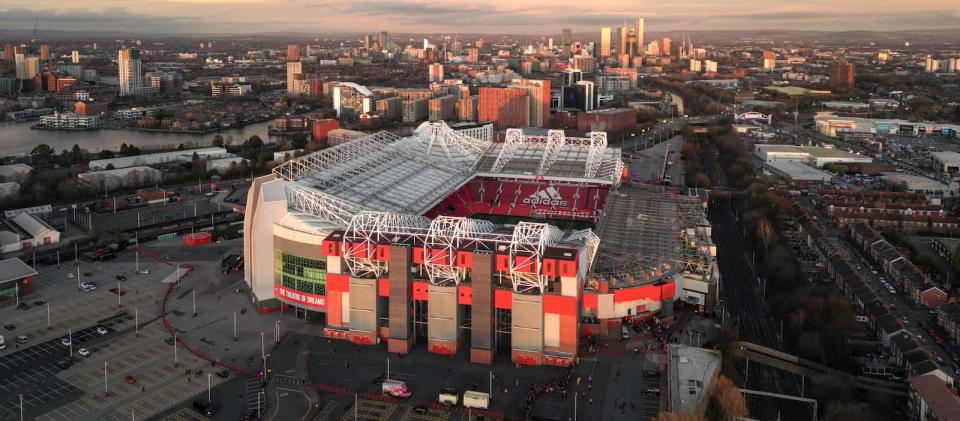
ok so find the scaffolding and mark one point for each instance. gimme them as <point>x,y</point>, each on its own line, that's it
<point>651,235</point>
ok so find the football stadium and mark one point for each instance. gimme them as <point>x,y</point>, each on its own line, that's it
<point>447,240</point>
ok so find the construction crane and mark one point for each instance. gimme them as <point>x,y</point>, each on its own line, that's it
<point>35,38</point>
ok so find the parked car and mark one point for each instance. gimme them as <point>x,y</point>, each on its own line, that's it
<point>84,352</point>
<point>129,380</point>
<point>10,326</point>
<point>102,330</point>
<point>65,341</point>
<point>22,339</point>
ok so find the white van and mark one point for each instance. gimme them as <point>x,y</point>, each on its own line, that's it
<point>624,332</point>
<point>449,396</point>
<point>476,400</point>
<point>3,345</point>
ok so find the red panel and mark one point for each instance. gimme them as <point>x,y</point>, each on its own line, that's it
<point>420,290</point>
<point>568,332</point>
<point>383,287</point>
<point>590,301</point>
<point>465,295</point>
<point>668,290</point>
<point>558,304</point>
<point>383,252</point>
<point>649,292</point>
<point>503,262</point>
<point>331,248</point>
<point>464,259</point>
<point>550,267</point>
<point>418,255</point>
<point>503,298</point>
<point>334,312</point>
<point>568,268</point>
<point>338,282</point>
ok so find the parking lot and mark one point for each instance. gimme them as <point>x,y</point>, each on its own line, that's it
<point>144,376</point>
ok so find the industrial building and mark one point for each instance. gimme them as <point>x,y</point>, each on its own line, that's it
<point>794,172</point>
<point>947,162</point>
<point>383,240</point>
<point>829,124</point>
<point>107,180</point>
<point>159,158</point>
<point>816,156</point>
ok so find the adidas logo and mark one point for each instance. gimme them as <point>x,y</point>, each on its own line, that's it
<point>549,196</point>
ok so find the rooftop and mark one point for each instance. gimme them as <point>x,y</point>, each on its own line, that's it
<point>799,171</point>
<point>944,404</point>
<point>691,370</point>
<point>13,269</point>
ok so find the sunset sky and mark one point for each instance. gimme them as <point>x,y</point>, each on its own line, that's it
<point>485,16</point>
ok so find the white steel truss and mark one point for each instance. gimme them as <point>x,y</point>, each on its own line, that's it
<point>592,246</point>
<point>438,133</point>
<point>511,143</point>
<point>447,235</point>
<point>317,162</point>
<point>526,253</point>
<point>555,141</point>
<point>366,230</point>
<point>327,207</point>
<point>598,144</point>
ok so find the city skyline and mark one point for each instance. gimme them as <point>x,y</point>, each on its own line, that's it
<point>528,17</point>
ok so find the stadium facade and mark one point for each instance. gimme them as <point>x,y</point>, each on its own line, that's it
<point>378,240</point>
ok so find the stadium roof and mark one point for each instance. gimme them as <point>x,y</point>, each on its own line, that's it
<point>409,175</point>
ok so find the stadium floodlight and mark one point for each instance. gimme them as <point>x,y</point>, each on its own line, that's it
<point>511,143</point>
<point>526,252</point>
<point>597,146</point>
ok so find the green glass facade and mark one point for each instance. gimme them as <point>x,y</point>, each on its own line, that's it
<point>300,273</point>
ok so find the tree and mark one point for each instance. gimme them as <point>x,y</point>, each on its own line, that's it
<point>76,154</point>
<point>254,142</point>
<point>726,400</point>
<point>106,154</point>
<point>41,153</point>
<point>764,232</point>
<point>218,141</point>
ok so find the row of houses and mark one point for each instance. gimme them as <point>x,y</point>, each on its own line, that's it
<point>902,273</point>
<point>904,350</point>
<point>903,210</point>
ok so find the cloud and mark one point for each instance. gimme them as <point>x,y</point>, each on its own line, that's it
<point>95,20</point>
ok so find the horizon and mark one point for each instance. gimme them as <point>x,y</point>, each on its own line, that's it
<point>529,17</point>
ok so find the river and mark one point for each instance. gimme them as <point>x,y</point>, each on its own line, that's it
<point>19,139</point>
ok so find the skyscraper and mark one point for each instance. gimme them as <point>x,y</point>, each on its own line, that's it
<point>605,42</point>
<point>665,47</point>
<point>539,93</point>
<point>384,41</point>
<point>622,40</point>
<point>435,71</point>
<point>367,41</point>
<point>769,60</point>
<point>294,77</point>
<point>27,67</point>
<point>638,32</point>
<point>505,107</point>
<point>843,74</point>
<point>8,52</point>
<point>128,60</point>
<point>44,52</point>
<point>566,36</point>
<point>75,57</point>
<point>293,52</point>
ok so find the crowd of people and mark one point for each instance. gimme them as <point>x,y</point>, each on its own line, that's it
<point>559,387</point>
